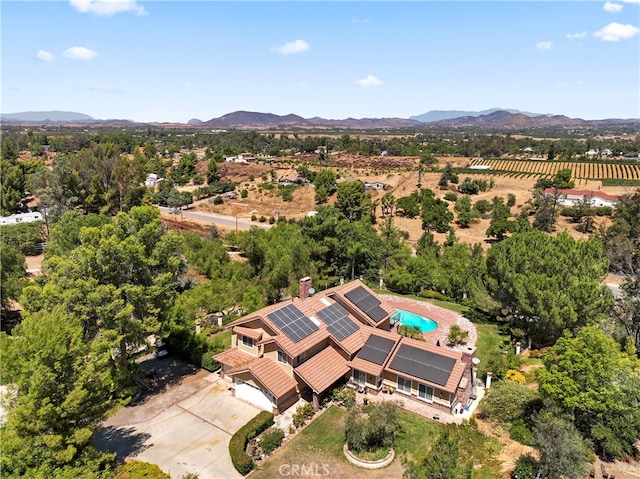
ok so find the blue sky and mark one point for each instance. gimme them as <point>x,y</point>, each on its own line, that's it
<point>173,61</point>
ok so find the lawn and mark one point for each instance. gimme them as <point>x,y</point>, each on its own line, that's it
<point>319,447</point>
<point>489,339</point>
<point>455,307</point>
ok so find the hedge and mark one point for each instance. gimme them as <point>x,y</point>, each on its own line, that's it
<point>238,443</point>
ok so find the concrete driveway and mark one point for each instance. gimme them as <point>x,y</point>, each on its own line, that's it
<point>184,429</point>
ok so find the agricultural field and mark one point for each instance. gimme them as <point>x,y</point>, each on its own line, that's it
<point>579,170</point>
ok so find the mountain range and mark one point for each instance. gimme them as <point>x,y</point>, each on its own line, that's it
<point>492,118</point>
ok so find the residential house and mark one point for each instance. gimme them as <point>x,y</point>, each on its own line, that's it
<point>306,346</point>
<point>568,197</point>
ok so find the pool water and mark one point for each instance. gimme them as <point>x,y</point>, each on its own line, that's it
<point>412,319</point>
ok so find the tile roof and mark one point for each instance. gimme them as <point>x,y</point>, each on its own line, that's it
<point>269,374</point>
<point>255,334</point>
<point>310,307</point>
<point>324,369</point>
<point>233,357</point>
<point>454,377</point>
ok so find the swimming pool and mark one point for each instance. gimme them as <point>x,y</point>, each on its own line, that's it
<point>412,319</point>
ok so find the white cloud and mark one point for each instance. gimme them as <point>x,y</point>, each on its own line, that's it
<point>576,36</point>
<point>544,45</point>
<point>370,80</point>
<point>631,1</point>
<point>360,20</point>
<point>45,55</point>
<point>107,7</point>
<point>612,7</point>
<point>80,53</point>
<point>291,48</point>
<point>616,31</point>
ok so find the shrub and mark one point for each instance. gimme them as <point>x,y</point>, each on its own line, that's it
<point>535,353</point>
<point>526,467</point>
<point>271,440</point>
<point>515,376</point>
<point>450,196</point>
<point>302,414</point>
<point>218,200</point>
<point>344,396</point>
<point>521,432</point>
<point>254,217</point>
<point>238,443</point>
<point>244,194</point>
<point>262,219</point>
<point>372,427</point>
<point>506,402</point>
<point>457,335</point>
<point>209,363</point>
<point>141,470</point>
<point>272,220</point>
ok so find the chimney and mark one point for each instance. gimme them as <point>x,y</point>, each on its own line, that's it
<point>305,286</point>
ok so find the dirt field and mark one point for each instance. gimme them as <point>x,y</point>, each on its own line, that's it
<point>396,172</point>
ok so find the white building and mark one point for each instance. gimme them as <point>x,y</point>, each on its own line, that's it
<point>21,218</point>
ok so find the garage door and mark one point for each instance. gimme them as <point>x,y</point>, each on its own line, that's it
<point>254,395</point>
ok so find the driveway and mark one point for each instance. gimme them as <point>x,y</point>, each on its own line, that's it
<point>184,429</point>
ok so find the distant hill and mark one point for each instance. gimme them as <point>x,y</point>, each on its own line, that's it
<point>254,119</point>
<point>46,116</point>
<point>437,115</point>
<point>248,119</point>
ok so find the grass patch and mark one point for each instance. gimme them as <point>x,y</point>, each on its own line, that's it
<point>321,443</point>
<point>416,435</point>
<point>489,340</point>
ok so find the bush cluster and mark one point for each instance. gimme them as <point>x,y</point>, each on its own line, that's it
<point>303,414</point>
<point>271,440</point>
<point>238,443</point>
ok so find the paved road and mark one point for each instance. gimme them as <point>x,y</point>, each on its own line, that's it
<point>227,222</point>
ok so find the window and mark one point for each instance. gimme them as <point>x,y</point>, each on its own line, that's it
<point>359,377</point>
<point>301,359</point>
<point>404,385</point>
<point>246,341</point>
<point>425,392</point>
<point>282,357</point>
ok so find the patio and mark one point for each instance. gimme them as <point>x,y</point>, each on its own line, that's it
<point>423,408</point>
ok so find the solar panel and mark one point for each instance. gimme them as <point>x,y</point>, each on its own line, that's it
<point>367,303</point>
<point>293,322</point>
<point>423,364</point>
<point>376,349</point>
<point>337,321</point>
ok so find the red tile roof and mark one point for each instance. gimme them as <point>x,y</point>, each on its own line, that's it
<point>255,334</point>
<point>269,374</point>
<point>324,369</point>
<point>233,357</point>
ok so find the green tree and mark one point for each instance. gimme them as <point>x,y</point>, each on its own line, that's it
<point>410,205</point>
<point>213,172</point>
<point>12,274</point>
<point>325,185</point>
<point>563,454</point>
<point>435,212</point>
<point>466,214</point>
<point>352,201</point>
<point>62,382</point>
<point>119,282</point>
<point>597,384</point>
<point>548,284</point>
<point>388,203</point>
<point>371,427</point>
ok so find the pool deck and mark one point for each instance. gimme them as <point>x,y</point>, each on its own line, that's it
<point>444,317</point>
